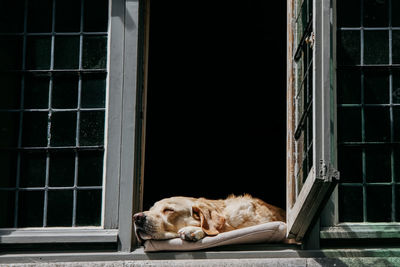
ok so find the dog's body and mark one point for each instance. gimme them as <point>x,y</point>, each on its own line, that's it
<point>193,218</point>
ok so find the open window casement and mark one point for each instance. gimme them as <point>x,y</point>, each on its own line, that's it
<point>311,175</point>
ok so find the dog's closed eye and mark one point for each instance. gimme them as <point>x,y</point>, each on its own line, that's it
<point>196,214</point>
<point>167,210</point>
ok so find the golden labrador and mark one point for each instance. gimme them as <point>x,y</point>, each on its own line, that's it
<point>192,219</point>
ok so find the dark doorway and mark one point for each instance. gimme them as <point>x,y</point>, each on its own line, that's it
<point>216,117</point>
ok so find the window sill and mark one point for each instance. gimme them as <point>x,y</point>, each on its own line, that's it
<point>57,235</point>
<point>140,255</point>
<point>361,231</point>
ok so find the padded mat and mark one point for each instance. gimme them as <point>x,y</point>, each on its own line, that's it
<point>271,232</point>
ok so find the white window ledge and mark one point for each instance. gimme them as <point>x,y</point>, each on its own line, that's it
<point>57,235</point>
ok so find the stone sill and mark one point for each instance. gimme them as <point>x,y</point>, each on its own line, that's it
<point>227,256</point>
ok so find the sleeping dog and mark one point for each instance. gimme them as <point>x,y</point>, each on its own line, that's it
<point>192,219</point>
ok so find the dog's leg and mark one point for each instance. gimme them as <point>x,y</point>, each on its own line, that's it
<point>191,233</point>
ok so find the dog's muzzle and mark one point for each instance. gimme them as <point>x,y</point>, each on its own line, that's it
<point>139,220</point>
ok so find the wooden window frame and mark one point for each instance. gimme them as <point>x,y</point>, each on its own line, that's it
<point>303,209</point>
<point>124,138</point>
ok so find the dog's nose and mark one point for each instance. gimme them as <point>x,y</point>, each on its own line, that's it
<point>139,218</point>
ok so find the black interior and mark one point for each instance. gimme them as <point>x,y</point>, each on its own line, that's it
<point>216,117</point>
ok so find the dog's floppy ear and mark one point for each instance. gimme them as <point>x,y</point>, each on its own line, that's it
<point>211,221</point>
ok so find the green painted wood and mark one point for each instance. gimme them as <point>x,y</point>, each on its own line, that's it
<point>362,230</point>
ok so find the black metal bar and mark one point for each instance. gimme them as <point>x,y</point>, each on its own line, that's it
<point>368,105</point>
<point>51,188</point>
<point>364,179</point>
<point>372,67</point>
<point>53,109</point>
<point>369,143</point>
<point>58,148</point>
<point>49,72</point>
<point>53,33</point>
<point>21,117</point>
<point>302,42</point>
<point>78,116</point>
<point>392,159</point>
<point>301,124</point>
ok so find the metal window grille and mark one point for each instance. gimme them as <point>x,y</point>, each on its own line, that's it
<point>304,91</point>
<point>368,78</point>
<point>52,112</point>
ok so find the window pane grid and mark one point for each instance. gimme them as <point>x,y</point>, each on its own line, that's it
<point>59,123</point>
<point>303,57</point>
<point>367,119</point>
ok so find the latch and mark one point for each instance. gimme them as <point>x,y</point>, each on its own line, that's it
<point>327,172</point>
<point>310,40</point>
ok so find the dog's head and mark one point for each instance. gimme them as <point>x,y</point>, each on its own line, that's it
<point>167,216</point>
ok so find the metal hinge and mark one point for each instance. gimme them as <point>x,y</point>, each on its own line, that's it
<point>327,172</point>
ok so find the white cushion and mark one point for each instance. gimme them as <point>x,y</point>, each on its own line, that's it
<point>271,232</point>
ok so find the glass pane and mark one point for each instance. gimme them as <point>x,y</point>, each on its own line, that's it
<point>36,92</point>
<point>34,129</point>
<point>7,206</point>
<point>92,128</point>
<point>12,16</point>
<point>68,16</point>
<point>350,164</point>
<point>33,169</point>
<point>59,209</point>
<point>8,167</point>
<point>395,47</point>
<point>396,87</point>
<point>65,91</point>
<point>350,204</point>
<point>66,52</point>
<point>88,208</point>
<point>377,124</point>
<point>379,203</point>
<point>396,164</point>
<point>376,13</point>
<point>93,91</point>
<point>62,168</point>
<point>349,48</point>
<point>303,16</point>
<point>349,124</point>
<point>95,16</point>
<point>11,52</point>
<point>376,87</point>
<point>94,52</point>
<point>11,90</point>
<point>378,164</point>
<point>40,15</point>
<point>349,87</point>
<point>300,27</point>
<point>395,13</point>
<point>9,129</point>
<point>349,15</point>
<point>376,47</point>
<point>309,129</point>
<point>30,209</point>
<point>63,129</point>
<point>90,171</point>
<point>396,123</point>
<point>397,201</point>
<point>38,52</point>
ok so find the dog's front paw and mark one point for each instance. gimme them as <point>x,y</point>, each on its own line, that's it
<point>191,233</point>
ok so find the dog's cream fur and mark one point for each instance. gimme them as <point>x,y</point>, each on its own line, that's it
<point>193,218</point>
